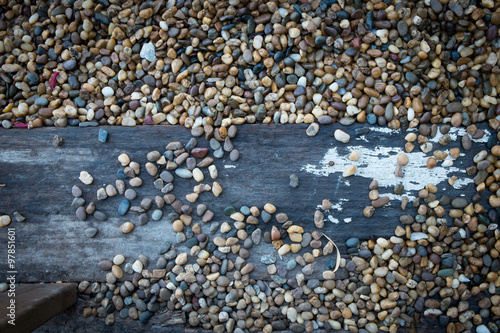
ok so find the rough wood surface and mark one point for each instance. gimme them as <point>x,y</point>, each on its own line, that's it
<point>51,245</point>
<point>36,304</point>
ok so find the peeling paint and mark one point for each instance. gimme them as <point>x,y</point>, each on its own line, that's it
<point>380,162</point>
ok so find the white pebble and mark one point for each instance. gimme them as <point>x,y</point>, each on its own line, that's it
<point>107,92</point>
<point>86,178</point>
<point>198,175</point>
<point>341,136</point>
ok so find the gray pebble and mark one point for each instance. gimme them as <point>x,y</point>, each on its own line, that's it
<point>130,194</point>
<point>90,232</point>
<point>157,214</point>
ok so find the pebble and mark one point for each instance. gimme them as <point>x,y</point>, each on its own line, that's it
<point>148,52</point>
<point>57,141</point>
<point>81,214</point>
<point>294,181</point>
<point>312,130</point>
<point>123,207</point>
<point>90,232</point>
<point>103,136</point>
<point>342,136</point>
<point>4,220</point>
<point>127,227</point>
<point>183,173</point>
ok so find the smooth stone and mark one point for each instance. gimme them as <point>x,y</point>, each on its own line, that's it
<point>312,130</point>
<point>81,214</point>
<point>70,64</point>
<point>123,207</point>
<point>157,215</point>
<point>234,155</point>
<point>148,52</point>
<point>352,242</point>
<point>294,181</point>
<point>103,136</point>
<point>90,232</point>
<point>183,173</point>
<point>101,216</point>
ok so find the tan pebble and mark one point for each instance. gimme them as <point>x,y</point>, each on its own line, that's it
<point>238,217</point>
<point>270,208</point>
<point>294,248</point>
<point>494,201</point>
<point>4,220</point>
<point>254,211</point>
<point>354,156</point>
<point>127,227</point>
<point>151,169</point>
<point>192,197</point>
<point>369,211</point>
<point>178,226</point>
<point>495,150</point>
<point>294,32</point>
<point>181,259</point>
<point>135,182</point>
<point>410,137</point>
<point>431,188</point>
<point>216,189</point>
<point>124,159</point>
<point>225,227</point>
<point>295,237</point>
<point>295,229</point>
<point>402,159</point>
<point>431,163</point>
<point>198,175</point>
<point>111,190</point>
<point>326,204</point>
<point>213,171</point>
<point>319,219</point>
<point>284,249</point>
<point>455,152</point>
<point>349,171</point>
<point>117,271</point>
<point>373,195</point>
<point>409,147</point>
<point>440,155</point>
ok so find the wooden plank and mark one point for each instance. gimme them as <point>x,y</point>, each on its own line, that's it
<point>51,245</point>
<point>34,305</point>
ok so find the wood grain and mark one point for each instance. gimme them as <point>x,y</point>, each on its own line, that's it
<point>51,245</point>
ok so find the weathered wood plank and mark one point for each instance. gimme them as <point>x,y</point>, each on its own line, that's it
<point>51,245</point>
<point>34,304</point>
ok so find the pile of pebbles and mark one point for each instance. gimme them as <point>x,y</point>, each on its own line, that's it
<point>178,161</point>
<point>427,269</point>
<point>216,63</point>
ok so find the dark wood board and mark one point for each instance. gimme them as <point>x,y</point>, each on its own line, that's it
<point>51,245</point>
<point>35,304</point>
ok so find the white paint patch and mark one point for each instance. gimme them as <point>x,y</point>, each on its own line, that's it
<point>347,220</point>
<point>380,162</point>
<point>362,138</point>
<point>333,219</point>
<point>229,166</point>
<point>336,206</point>
<point>386,130</point>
